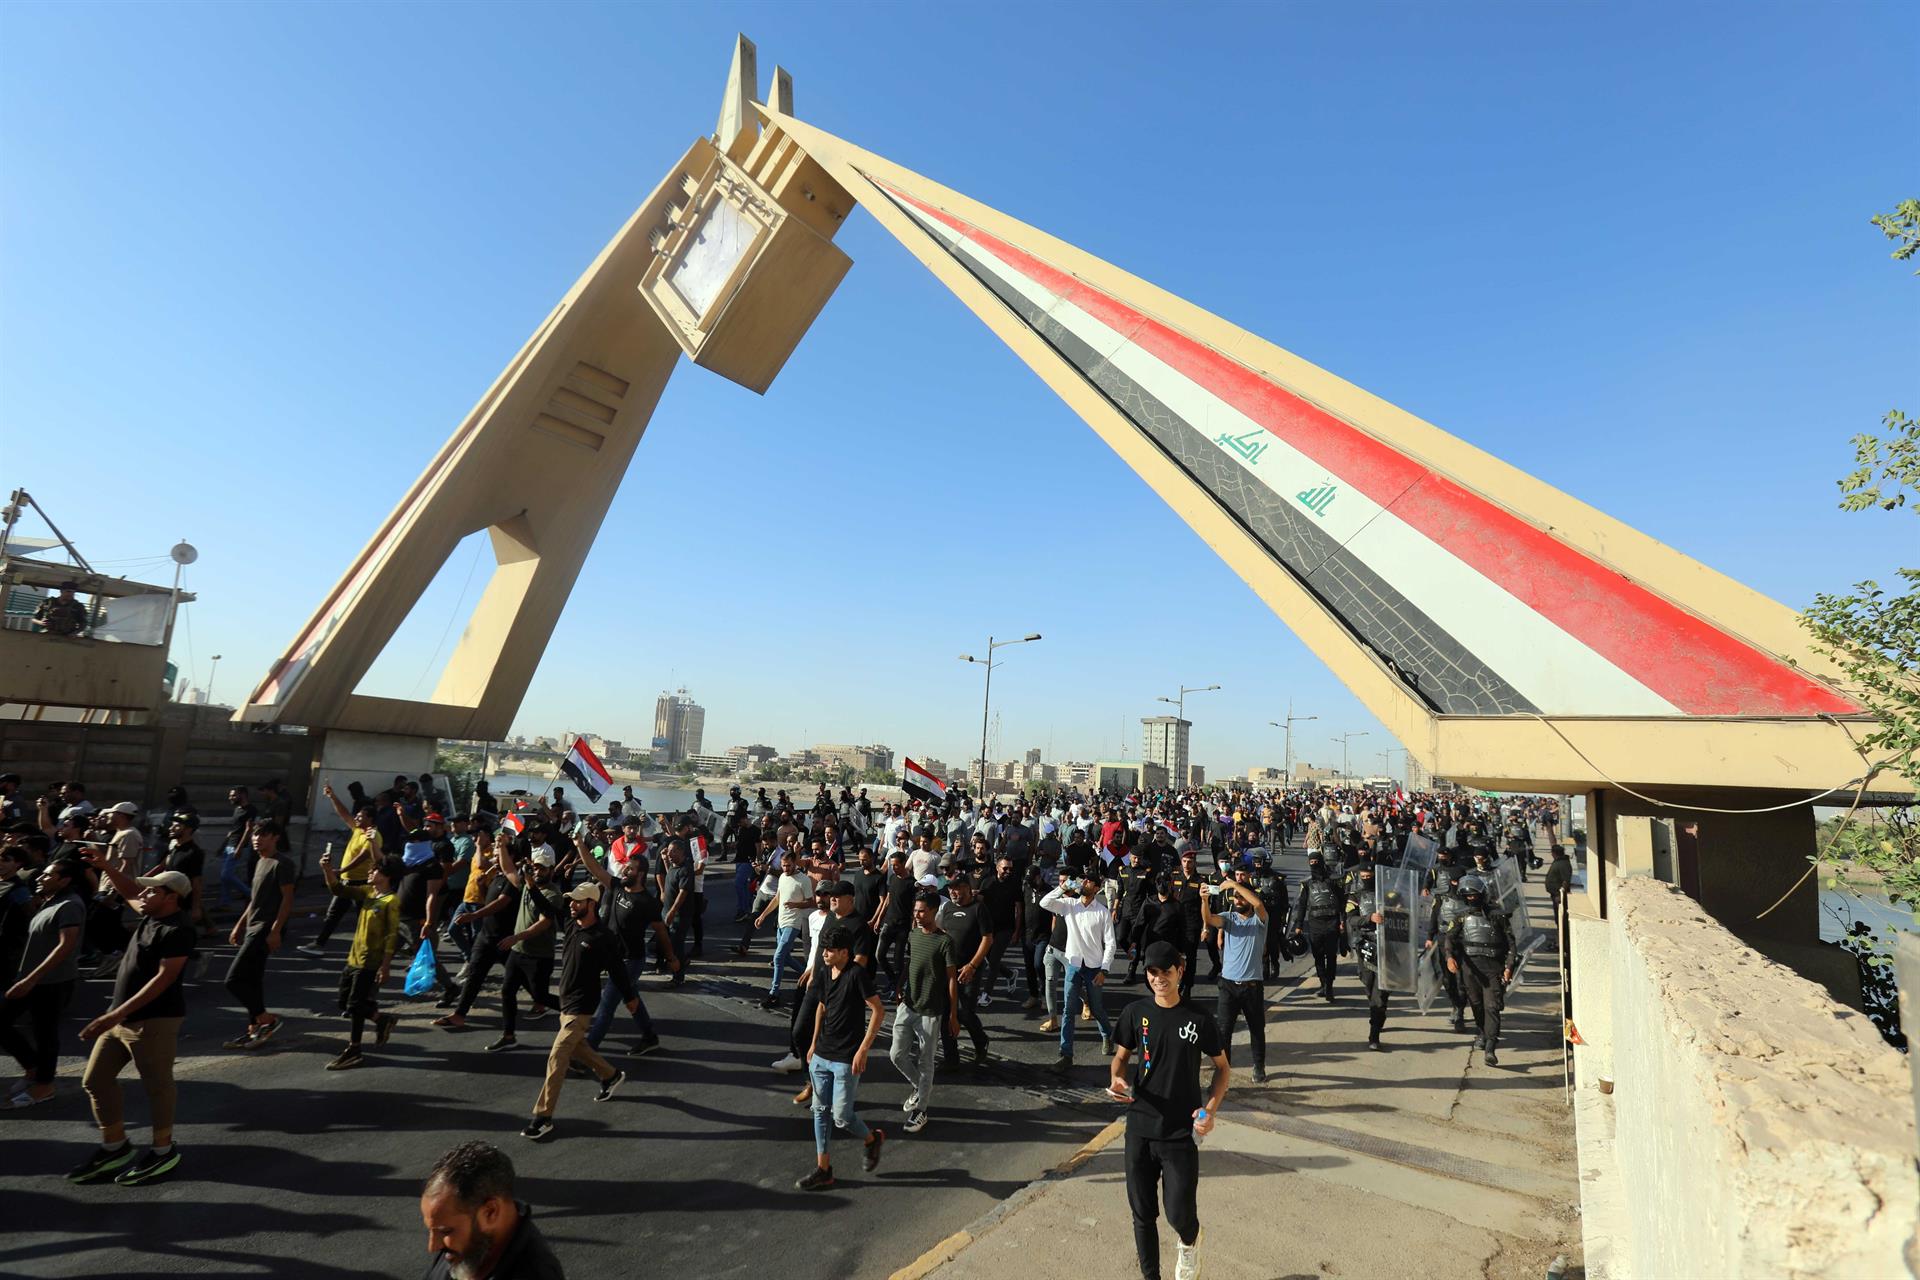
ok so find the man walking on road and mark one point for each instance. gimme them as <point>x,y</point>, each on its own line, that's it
<point>591,956</point>
<point>1091,942</point>
<point>1320,916</point>
<point>1480,949</point>
<point>1164,1039</point>
<point>257,934</point>
<point>375,933</point>
<point>837,1051</point>
<point>927,1006</point>
<point>141,1026</point>
<point>1243,942</point>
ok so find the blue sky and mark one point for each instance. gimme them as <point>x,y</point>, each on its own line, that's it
<point>256,262</point>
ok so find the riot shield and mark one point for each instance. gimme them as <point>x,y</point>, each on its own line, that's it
<point>1419,852</point>
<point>1509,897</point>
<point>1402,926</point>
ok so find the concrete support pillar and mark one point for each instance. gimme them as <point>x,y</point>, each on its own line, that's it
<point>371,759</point>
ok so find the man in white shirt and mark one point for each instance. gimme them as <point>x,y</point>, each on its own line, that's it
<point>1089,951</point>
<point>793,899</point>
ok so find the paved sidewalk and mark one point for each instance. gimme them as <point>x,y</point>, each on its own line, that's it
<point>1418,1161</point>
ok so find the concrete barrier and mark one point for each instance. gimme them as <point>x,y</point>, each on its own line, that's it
<point>1762,1129</point>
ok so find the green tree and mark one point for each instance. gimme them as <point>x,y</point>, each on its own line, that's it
<point>877,777</point>
<point>1873,636</point>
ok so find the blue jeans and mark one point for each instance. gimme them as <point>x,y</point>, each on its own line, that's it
<point>233,876</point>
<point>610,1003</point>
<point>834,1087</point>
<point>1080,982</point>
<point>782,951</point>
<point>460,931</point>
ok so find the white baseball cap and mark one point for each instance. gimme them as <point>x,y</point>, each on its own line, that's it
<point>543,856</point>
<point>127,807</point>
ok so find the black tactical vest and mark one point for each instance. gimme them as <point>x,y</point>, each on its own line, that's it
<point>1480,937</point>
<point>1321,904</point>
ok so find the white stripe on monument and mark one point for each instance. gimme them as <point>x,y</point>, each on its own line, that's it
<point>1553,669</point>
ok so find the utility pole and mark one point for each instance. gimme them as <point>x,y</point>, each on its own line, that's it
<point>1290,721</point>
<point>1180,718</point>
<point>980,779</point>
<point>1346,763</point>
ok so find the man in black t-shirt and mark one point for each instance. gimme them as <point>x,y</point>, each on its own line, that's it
<point>1002,903</point>
<point>141,1026</point>
<point>961,920</point>
<point>632,914</point>
<point>591,956</point>
<point>257,934</point>
<point>185,855</point>
<point>869,884</point>
<point>893,920</point>
<point>838,1047</point>
<point>493,920</point>
<point>1164,1039</point>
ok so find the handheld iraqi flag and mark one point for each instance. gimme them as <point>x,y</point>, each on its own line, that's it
<point>587,772</point>
<point>515,823</point>
<point>923,785</point>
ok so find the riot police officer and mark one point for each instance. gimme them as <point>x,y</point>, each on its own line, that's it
<point>1481,950</point>
<point>1187,887</point>
<point>1448,905</point>
<point>1132,881</point>
<point>1272,889</point>
<point>1320,914</point>
<point>1363,928</point>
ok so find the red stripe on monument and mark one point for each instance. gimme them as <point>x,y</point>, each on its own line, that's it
<point>1688,661</point>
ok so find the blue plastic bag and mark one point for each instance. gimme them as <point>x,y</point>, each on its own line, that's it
<point>421,973</point>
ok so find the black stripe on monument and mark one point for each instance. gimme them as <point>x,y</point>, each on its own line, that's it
<point>1450,677</point>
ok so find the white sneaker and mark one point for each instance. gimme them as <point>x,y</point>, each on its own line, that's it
<point>984,1002</point>
<point>787,1063</point>
<point>912,1104</point>
<point>1186,1260</point>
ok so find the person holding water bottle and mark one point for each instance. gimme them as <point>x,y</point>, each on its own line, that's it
<point>1163,1038</point>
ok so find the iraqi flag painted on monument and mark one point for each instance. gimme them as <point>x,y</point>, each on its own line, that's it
<point>923,785</point>
<point>587,772</point>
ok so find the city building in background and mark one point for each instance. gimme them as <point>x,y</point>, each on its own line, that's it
<point>746,759</point>
<point>1164,742</point>
<point>1267,777</point>
<point>1314,775</point>
<point>1196,775</point>
<point>1127,775</point>
<point>859,759</point>
<point>678,725</point>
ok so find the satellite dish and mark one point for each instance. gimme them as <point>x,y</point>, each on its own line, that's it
<point>183,553</point>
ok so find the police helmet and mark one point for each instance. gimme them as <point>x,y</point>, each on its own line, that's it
<point>1263,860</point>
<point>1471,885</point>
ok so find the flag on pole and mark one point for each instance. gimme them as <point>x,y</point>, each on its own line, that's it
<point>515,823</point>
<point>587,772</point>
<point>923,785</point>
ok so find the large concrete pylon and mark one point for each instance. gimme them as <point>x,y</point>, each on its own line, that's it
<point>1508,634</point>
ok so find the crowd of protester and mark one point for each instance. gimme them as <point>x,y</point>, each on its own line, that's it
<point>910,918</point>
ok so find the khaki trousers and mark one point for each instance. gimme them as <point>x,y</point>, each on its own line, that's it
<point>569,1045</point>
<point>149,1044</point>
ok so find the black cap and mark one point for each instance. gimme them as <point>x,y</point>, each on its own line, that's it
<point>836,889</point>
<point>1162,955</point>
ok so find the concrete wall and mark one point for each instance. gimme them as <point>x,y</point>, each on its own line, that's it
<point>1762,1128</point>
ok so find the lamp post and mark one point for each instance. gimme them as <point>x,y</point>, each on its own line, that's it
<point>1346,766</point>
<point>1388,755</point>
<point>986,703</point>
<point>1287,726</point>
<point>210,672</point>
<point>1180,718</point>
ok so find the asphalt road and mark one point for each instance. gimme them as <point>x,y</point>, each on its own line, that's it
<point>292,1170</point>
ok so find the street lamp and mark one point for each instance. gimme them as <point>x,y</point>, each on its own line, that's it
<point>980,779</point>
<point>1287,726</point>
<point>1181,716</point>
<point>1346,768</point>
<point>210,670</point>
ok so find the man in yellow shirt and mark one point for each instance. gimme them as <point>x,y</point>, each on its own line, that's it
<point>371,956</point>
<point>364,848</point>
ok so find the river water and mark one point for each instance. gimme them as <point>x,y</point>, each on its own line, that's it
<point>656,799</point>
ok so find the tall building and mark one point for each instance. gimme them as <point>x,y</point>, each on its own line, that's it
<point>1196,775</point>
<point>1033,755</point>
<point>678,725</point>
<point>1165,743</point>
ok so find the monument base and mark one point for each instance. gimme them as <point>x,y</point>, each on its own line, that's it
<point>371,759</point>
